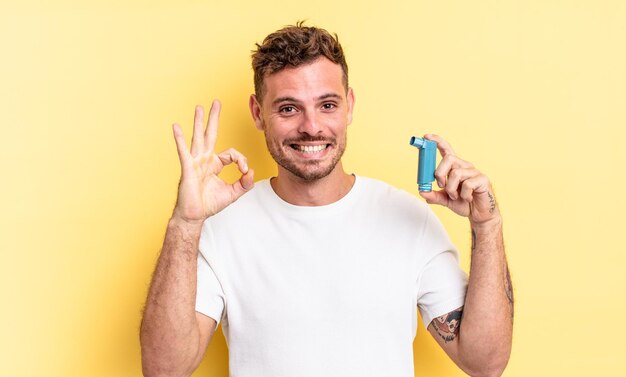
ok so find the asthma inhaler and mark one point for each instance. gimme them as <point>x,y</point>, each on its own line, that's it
<point>427,162</point>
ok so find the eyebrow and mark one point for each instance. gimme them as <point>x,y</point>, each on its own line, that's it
<point>329,95</point>
<point>284,99</point>
<point>294,99</point>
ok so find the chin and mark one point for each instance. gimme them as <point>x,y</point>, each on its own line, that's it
<point>310,173</point>
<point>306,170</point>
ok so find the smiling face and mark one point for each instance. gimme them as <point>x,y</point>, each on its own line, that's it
<point>304,114</point>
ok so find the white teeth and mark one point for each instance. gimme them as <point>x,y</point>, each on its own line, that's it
<point>311,148</point>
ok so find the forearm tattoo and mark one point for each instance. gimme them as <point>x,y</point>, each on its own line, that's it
<point>473,240</point>
<point>447,326</point>
<point>508,287</point>
<point>492,202</point>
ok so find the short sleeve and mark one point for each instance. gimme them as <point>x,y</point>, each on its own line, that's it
<point>442,287</point>
<point>442,284</point>
<point>209,294</point>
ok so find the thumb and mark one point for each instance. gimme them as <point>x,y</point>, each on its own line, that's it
<point>435,197</point>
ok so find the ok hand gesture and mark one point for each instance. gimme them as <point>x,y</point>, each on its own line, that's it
<point>201,193</point>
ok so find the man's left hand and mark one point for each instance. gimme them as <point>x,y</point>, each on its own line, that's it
<point>465,190</point>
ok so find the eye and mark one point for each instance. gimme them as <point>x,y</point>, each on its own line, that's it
<point>329,106</point>
<point>287,109</point>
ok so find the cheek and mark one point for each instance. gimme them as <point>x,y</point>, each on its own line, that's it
<point>282,125</point>
<point>275,127</point>
<point>338,122</point>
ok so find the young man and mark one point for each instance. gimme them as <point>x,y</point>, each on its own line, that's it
<point>316,272</point>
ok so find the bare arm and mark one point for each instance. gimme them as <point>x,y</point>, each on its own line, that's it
<point>173,340</point>
<point>477,336</point>
<point>173,335</point>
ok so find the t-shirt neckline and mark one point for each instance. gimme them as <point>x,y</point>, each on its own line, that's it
<point>345,201</point>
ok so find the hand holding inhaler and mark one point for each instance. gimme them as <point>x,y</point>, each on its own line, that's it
<point>465,190</point>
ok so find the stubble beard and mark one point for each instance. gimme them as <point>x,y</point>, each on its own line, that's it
<point>306,170</point>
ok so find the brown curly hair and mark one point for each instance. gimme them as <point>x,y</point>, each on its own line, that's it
<point>293,46</point>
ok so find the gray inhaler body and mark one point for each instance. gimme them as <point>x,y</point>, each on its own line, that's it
<point>427,162</point>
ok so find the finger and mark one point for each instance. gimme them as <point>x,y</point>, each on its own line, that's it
<point>444,147</point>
<point>247,180</point>
<point>243,185</point>
<point>456,178</point>
<point>232,155</point>
<point>435,197</point>
<point>197,142</point>
<point>181,146</point>
<point>210,135</point>
<point>448,163</point>
<point>478,183</point>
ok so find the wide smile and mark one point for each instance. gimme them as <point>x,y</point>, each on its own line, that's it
<point>310,150</point>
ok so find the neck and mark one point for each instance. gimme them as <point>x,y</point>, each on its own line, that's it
<point>323,191</point>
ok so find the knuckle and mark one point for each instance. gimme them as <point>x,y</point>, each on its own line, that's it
<point>480,180</point>
<point>229,153</point>
<point>466,195</point>
<point>451,159</point>
<point>455,174</point>
<point>467,185</point>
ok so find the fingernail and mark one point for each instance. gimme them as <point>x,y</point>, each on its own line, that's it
<point>440,184</point>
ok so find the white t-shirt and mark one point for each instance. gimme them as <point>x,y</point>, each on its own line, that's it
<point>329,290</point>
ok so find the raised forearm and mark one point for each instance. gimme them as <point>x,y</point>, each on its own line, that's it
<point>169,329</point>
<point>484,337</point>
<point>486,332</point>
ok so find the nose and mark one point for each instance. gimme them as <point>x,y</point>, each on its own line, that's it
<point>310,124</point>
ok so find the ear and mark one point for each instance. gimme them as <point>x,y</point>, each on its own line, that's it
<point>255,110</point>
<point>350,99</point>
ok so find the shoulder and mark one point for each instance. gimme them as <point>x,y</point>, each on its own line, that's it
<point>390,195</point>
<point>387,199</point>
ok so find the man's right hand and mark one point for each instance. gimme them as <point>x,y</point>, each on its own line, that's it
<point>201,193</point>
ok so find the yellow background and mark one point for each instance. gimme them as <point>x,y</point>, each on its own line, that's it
<point>532,92</point>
